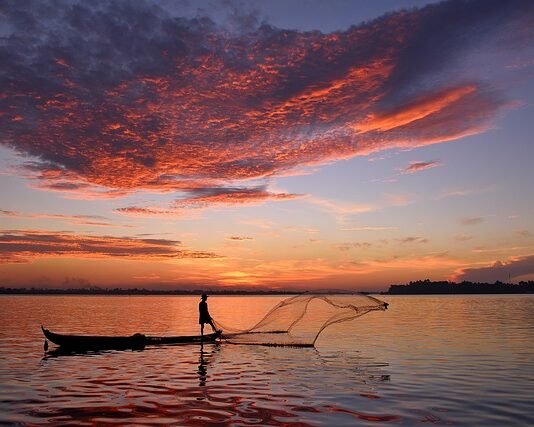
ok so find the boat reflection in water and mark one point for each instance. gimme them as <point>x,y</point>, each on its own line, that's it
<point>66,352</point>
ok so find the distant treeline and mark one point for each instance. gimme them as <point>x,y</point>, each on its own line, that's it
<point>412,288</point>
<point>434,288</point>
<point>135,291</point>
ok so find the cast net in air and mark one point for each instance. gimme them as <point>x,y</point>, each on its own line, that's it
<point>298,321</point>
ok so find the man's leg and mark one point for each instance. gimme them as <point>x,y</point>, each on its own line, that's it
<point>202,329</point>
<point>212,325</point>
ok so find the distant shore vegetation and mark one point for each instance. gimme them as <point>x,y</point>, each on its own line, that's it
<point>428,287</point>
<point>419,287</point>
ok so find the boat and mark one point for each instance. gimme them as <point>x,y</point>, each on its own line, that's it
<point>136,341</point>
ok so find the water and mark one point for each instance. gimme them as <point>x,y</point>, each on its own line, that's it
<point>455,360</point>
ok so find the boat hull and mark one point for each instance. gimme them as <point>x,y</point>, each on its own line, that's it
<point>136,341</point>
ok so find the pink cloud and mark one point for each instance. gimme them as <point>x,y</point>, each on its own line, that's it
<point>203,198</point>
<point>420,166</point>
<point>203,108</point>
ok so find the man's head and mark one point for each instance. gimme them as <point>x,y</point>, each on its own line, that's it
<point>204,297</point>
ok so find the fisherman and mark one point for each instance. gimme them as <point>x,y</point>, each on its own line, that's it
<point>204,315</point>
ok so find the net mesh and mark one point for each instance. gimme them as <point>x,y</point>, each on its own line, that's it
<point>298,321</point>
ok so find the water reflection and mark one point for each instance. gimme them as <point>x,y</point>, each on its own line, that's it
<point>234,384</point>
<point>421,361</point>
<point>58,352</point>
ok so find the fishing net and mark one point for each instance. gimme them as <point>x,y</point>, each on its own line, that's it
<point>298,321</point>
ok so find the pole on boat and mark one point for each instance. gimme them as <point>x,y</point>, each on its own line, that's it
<point>45,346</point>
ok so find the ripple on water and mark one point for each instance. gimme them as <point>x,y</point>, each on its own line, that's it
<point>458,368</point>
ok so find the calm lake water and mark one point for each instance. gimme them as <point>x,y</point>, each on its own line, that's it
<point>455,360</point>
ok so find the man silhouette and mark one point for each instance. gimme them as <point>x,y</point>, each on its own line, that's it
<point>204,315</point>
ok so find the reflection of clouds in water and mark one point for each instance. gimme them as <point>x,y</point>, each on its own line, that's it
<point>217,384</point>
<point>375,369</point>
<point>296,369</point>
<point>367,369</point>
<point>299,376</point>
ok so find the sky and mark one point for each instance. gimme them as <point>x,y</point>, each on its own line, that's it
<point>265,144</point>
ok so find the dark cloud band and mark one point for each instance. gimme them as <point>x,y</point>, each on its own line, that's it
<point>26,245</point>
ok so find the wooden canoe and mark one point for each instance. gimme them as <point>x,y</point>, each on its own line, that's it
<point>136,341</point>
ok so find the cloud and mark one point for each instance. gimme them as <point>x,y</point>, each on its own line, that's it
<point>426,263</point>
<point>501,249</point>
<point>471,221</point>
<point>22,246</point>
<point>524,233</point>
<point>513,268</point>
<point>201,198</point>
<point>368,228</point>
<point>145,100</point>
<point>81,191</point>
<point>146,211</point>
<point>239,238</point>
<point>453,193</point>
<point>88,220</point>
<point>420,166</point>
<point>344,247</point>
<point>342,208</point>
<point>417,110</point>
<point>412,239</point>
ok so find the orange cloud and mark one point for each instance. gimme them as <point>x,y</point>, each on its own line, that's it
<point>240,238</point>
<point>230,196</point>
<point>205,108</point>
<point>18,246</point>
<point>202,198</point>
<point>89,220</point>
<point>417,110</point>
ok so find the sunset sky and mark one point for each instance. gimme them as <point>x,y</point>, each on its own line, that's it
<point>278,144</point>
